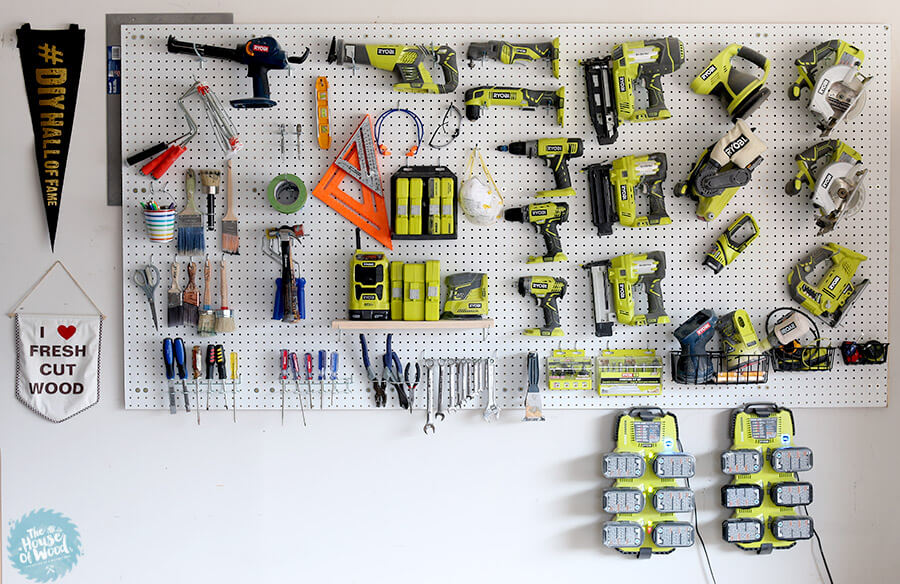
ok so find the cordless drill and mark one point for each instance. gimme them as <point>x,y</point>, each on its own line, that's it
<point>546,218</point>
<point>259,54</point>
<point>410,62</point>
<point>694,365</point>
<point>555,152</point>
<point>611,79</point>
<point>546,290</point>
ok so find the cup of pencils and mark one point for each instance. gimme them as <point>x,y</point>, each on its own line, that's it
<point>160,221</point>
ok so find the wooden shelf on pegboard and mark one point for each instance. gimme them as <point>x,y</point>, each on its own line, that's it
<point>482,324</point>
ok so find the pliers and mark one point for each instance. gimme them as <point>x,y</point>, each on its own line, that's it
<point>377,386</point>
<point>412,384</point>
<point>392,372</point>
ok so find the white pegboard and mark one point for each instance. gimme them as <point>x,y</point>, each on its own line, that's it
<point>152,80</point>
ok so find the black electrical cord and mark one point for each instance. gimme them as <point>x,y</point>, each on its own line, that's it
<point>687,483</point>
<point>815,533</point>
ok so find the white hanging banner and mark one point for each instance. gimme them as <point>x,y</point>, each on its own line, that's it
<point>58,365</point>
<point>58,359</point>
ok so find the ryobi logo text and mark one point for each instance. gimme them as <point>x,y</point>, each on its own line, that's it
<point>622,291</point>
<point>554,148</point>
<point>475,305</point>
<point>703,329</point>
<point>736,146</point>
<point>539,213</point>
<point>540,285</point>
<point>709,71</point>
<point>834,282</point>
<point>501,95</point>
<point>622,85</point>
<point>386,52</point>
<point>623,192</point>
<point>826,180</point>
<point>259,49</point>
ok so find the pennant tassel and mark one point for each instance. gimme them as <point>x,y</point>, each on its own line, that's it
<point>51,66</point>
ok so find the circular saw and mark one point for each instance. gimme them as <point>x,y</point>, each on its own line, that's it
<point>834,172</point>
<point>837,88</point>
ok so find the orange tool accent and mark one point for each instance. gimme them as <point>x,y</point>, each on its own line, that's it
<point>358,160</point>
<point>323,127</point>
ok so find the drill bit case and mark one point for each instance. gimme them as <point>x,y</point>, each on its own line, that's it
<point>423,203</point>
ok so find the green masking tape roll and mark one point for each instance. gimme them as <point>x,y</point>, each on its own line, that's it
<point>287,193</point>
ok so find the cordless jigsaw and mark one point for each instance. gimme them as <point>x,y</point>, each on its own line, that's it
<point>832,296</point>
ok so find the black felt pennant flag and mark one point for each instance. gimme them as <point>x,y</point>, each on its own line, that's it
<point>51,64</point>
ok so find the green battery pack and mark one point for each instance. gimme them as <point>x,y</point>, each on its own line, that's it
<point>415,206</point>
<point>413,291</point>
<point>401,208</point>
<point>432,290</point>
<point>396,276</point>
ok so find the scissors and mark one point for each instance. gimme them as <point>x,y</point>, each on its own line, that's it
<point>147,279</point>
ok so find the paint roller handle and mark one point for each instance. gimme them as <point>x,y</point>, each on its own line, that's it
<point>145,154</point>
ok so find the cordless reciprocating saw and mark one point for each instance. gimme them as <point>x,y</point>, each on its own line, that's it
<point>260,55</point>
<point>408,61</point>
<point>615,279</point>
<point>546,218</point>
<point>611,81</point>
<point>527,99</point>
<point>546,290</point>
<point>509,53</point>
<point>613,187</point>
<point>555,152</point>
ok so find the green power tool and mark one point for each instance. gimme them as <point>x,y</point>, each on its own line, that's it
<point>546,218</point>
<point>527,99</point>
<point>835,293</point>
<point>736,238</point>
<point>611,81</point>
<point>741,93</point>
<point>613,188</point>
<point>555,152</point>
<point>509,53</point>
<point>408,61</point>
<point>546,290</point>
<point>722,170</point>
<point>834,172</point>
<point>740,343</point>
<point>467,296</point>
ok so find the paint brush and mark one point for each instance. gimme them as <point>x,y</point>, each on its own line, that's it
<point>206,324</point>
<point>211,180</point>
<point>190,221</point>
<point>230,238</point>
<point>224,317</point>
<point>175,315</point>
<point>190,309</point>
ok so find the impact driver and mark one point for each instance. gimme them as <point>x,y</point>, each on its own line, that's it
<point>555,152</point>
<point>546,290</point>
<point>546,218</point>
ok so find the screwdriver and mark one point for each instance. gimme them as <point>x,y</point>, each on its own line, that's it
<point>322,355</point>
<point>234,376</point>
<point>295,370</point>
<point>170,373</point>
<point>307,360</point>
<point>334,368</point>
<point>284,366</point>
<point>196,357</point>
<point>223,374</point>
<point>210,368</point>
<point>182,372</point>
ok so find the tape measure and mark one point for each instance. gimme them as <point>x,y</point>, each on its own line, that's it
<point>286,193</point>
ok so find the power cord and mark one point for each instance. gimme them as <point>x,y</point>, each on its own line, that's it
<point>687,483</point>
<point>815,533</point>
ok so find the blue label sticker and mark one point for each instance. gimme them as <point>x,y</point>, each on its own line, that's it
<point>668,444</point>
<point>43,545</point>
<point>785,439</point>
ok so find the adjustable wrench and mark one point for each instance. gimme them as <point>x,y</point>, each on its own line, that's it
<point>429,398</point>
<point>491,411</point>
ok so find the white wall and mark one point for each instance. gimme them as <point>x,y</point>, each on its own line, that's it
<point>360,496</point>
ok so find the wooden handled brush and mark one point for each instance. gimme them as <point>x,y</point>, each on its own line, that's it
<point>191,306</point>
<point>206,324</point>
<point>224,318</point>
<point>190,221</point>
<point>230,239</point>
<point>175,313</point>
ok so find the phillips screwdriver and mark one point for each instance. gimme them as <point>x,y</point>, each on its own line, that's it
<point>182,372</point>
<point>223,374</point>
<point>322,355</point>
<point>210,370</point>
<point>196,357</point>
<point>307,361</point>
<point>170,373</point>
<point>334,367</point>
<point>234,376</point>
<point>295,370</point>
<point>284,367</point>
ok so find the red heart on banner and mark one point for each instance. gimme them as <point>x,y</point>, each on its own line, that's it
<point>66,332</point>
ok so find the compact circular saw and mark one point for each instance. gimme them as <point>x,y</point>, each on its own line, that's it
<point>834,172</point>
<point>837,88</point>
